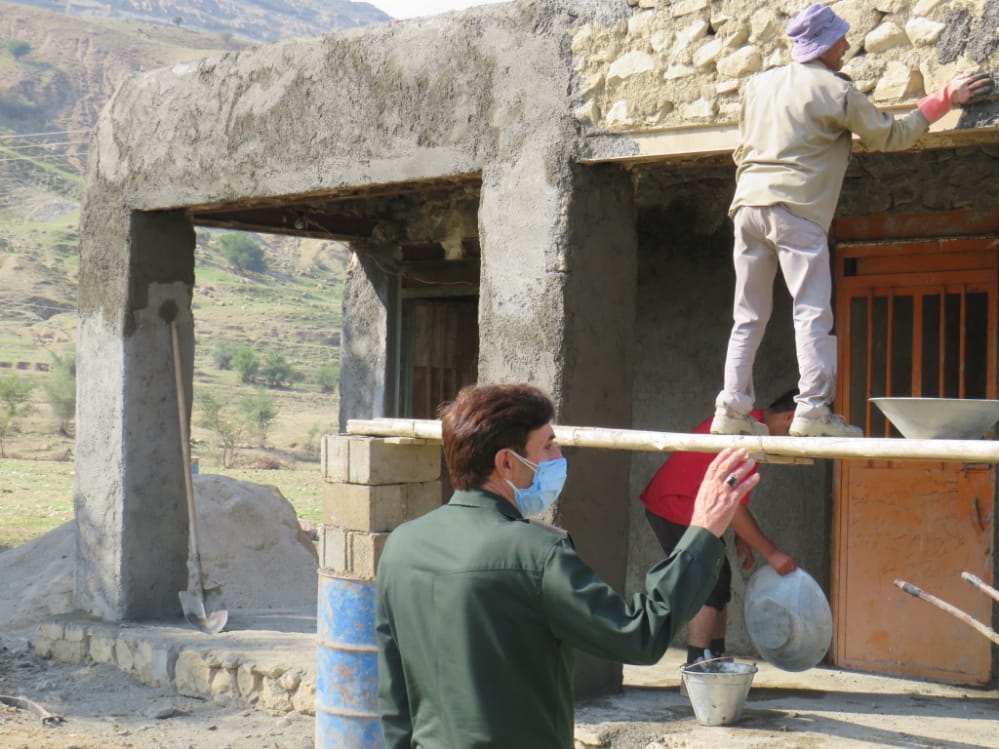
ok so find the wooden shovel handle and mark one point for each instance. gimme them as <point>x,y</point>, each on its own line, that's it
<point>919,593</point>
<point>981,585</point>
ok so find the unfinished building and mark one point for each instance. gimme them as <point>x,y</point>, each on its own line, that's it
<point>537,191</point>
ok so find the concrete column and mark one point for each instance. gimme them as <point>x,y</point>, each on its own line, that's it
<point>130,505</point>
<point>367,370</point>
<point>557,310</point>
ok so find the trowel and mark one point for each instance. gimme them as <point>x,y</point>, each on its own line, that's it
<point>213,619</point>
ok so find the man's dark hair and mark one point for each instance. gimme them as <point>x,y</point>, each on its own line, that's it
<point>784,402</point>
<point>484,419</point>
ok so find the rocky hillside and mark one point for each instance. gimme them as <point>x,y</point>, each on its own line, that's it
<point>256,20</point>
<point>57,71</point>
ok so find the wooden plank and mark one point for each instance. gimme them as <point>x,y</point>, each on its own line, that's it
<point>960,221</point>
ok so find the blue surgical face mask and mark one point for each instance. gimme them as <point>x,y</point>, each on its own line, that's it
<point>549,478</point>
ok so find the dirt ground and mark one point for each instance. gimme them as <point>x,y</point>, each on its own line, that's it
<point>821,708</point>
<point>103,708</point>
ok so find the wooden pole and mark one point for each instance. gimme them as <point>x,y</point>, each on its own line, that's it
<point>954,611</point>
<point>866,448</point>
<point>981,585</point>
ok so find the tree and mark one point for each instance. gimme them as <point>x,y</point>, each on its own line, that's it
<point>60,391</point>
<point>276,370</point>
<point>246,362</point>
<point>14,394</point>
<point>18,48</point>
<point>243,252</point>
<point>228,424</point>
<point>260,411</point>
<point>328,377</point>
<point>178,20</point>
<point>224,351</point>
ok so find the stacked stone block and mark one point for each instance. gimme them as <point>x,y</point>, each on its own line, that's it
<point>161,656</point>
<point>371,486</point>
<point>681,63</point>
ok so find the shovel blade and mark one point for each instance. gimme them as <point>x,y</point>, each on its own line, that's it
<point>193,605</point>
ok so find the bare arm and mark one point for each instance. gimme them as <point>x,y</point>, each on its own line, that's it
<point>744,525</point>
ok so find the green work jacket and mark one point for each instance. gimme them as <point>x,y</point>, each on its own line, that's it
<point>478,612</point>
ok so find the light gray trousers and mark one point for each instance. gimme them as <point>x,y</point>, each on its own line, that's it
<point>765,237</point>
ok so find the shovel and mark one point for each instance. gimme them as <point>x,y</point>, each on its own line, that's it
<point>192,600</point>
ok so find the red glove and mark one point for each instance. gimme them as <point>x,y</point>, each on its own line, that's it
<point>966,88</point>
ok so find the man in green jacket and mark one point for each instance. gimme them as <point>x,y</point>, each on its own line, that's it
<point>479,610</point>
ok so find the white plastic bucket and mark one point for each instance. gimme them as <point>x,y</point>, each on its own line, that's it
<point>719,694</point>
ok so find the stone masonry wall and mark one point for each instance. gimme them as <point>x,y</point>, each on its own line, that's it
<point>684,62</point>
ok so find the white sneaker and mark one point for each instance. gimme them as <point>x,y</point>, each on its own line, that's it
<point>727,421</point>
<point>830,425</point>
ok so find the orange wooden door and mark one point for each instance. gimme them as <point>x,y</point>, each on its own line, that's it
<point>915,317</point>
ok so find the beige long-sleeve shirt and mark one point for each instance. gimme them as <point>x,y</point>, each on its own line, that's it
<point>795,138</point>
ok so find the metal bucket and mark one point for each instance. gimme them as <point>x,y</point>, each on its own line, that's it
<point>347,668</point>
<point>718,691</point>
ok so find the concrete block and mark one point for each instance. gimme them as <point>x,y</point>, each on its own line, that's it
<point>333,548</point>
<point>193,677</point>
<point>333,457</point>
<point>365,551</point>
<point>350,553</point>
<point>358,507</point>
<point>376,461</point>
<point>421,499</point>
<point>364,508</point>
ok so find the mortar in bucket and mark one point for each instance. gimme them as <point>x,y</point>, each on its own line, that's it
<point>718,690</point>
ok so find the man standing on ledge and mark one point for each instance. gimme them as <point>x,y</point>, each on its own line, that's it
<point>478,610</point>
<point>794,144</point>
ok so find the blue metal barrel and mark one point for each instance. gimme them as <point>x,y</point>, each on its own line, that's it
<point>347,670</point>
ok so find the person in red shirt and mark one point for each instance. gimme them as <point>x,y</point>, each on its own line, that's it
<point>669,502</point>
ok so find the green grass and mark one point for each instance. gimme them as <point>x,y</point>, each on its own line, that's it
<point>36,496</point>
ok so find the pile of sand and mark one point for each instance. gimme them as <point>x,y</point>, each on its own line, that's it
<point>250,539</point>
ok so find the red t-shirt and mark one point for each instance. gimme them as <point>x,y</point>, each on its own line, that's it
<point>672,491</point>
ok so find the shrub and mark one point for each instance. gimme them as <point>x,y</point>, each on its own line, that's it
<point>243,252</point>
<point>228,424</point>
<point>60,391</point>
<point>18,48</point>
<point>223,354</point>
<point>14,393</point>
<point>276,370</point>
<point>328,377</point>
<point>246,362</point>
<point>260,411</point>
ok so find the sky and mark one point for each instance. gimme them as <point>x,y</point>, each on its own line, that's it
<point>414,8</point>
